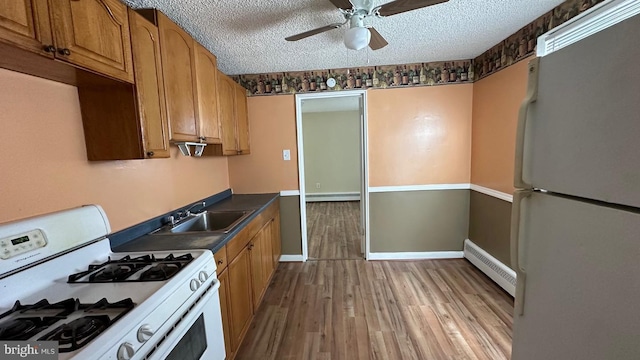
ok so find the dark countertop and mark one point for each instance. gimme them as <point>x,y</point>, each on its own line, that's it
<point>213,242</point>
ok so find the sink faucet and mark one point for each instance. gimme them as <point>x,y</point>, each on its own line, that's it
<point>188,211</point>
<point>170,220</point>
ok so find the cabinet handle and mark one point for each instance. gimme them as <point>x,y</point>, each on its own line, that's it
<point>64,51</point>
<point>220,262</point>
<point>49,48</point>
<point>150,153</point>
<point>250,246</point>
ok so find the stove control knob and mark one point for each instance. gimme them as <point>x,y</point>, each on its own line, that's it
<point>126,351</point>
<point>144,333</point>
<point>194,284</point>
<point>203,276</point>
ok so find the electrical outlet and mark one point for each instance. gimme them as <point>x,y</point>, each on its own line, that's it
<point>286,155</point>
<point>317,185</point>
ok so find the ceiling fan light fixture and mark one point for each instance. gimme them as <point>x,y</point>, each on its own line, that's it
<point>357,38</point>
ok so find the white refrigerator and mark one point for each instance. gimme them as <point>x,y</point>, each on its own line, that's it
<point>575,238</point>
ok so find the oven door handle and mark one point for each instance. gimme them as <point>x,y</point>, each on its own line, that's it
<point>216,285</point>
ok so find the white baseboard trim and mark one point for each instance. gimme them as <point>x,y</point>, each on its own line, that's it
<point>379,189</point>
<point>291,258</point>
<point>338,196</point>
<point>491,192</point>
<point>492,267</point>
<point>290,193</point>
<point>416,255</point>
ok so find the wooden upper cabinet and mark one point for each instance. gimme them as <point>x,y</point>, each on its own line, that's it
<point>242,120</point>
<point>206,75</point>
<point>93,34</point>
<point>25,24</point>
<point>226,114</point>
<point>178,65</point>
<point>232,114</point>
<point>149,86</point>
<point>124,121</point>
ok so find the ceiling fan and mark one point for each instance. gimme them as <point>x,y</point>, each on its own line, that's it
<point>356,12</point>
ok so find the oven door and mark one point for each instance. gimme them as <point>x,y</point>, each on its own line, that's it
<point>199,335</point>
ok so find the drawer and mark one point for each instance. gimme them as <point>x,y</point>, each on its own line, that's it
<point>221,259</point>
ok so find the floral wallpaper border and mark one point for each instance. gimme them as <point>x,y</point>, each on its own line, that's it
<point>516,47</point>
<point>523,43</point>
<point>385,76</point>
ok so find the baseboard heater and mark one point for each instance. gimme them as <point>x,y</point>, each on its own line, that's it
<point>492,267</point>
<point>338,196</point>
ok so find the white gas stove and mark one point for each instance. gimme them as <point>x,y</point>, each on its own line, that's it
<point>60,282</point>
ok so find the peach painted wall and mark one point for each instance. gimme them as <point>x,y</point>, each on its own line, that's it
<point>272,124</point>
<point>496,100</point>
<point>420,136</point>
<point>43,165</point>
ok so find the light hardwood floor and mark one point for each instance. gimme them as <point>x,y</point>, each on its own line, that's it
<point>353,309</point>
<point>333,230</point>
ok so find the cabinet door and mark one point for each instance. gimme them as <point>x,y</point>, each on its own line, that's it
<point>242,120</point>
<point>25,24</point>
<point>226,114</point>
<point>240,295</point>
<point>206,74</point>
<point>225,304</point>
<point>178,69</point>
<point>277,242</point>
<point>256,247</point>
<point>267,254</point>
<point>149,86</point>
<point>94,34</point>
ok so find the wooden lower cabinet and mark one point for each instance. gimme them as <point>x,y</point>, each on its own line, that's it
<point>240,296</point>
<point>261,263</point>
<point>226,316</point>
<point>276,240</point>
<point>250,256</point>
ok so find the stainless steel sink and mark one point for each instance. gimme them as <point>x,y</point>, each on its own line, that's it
<point>210,221</point>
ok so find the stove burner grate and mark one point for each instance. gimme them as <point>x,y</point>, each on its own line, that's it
<point>25,328</point>
<point>162,271</point>
<point>77,333</point>
<point>23,322</point>
<point>155,269</point>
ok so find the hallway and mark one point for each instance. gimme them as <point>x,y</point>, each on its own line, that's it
<point>333,230</point>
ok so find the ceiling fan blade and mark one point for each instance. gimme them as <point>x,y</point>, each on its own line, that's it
<point>342,4</point>
<point>400,6</point>
<point>377,41</point>
<point>313,32</point>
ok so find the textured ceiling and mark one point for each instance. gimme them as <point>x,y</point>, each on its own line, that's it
<point>247,36</point>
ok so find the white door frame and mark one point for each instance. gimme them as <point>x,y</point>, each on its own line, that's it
<point>364,163</point>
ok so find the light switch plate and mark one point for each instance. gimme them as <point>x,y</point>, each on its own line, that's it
<point>286,155</point>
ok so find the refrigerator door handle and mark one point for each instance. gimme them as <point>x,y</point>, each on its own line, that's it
<point>531,97</point>
<point>516,249</point>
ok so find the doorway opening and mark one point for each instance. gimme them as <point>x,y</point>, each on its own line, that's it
<point>333,180</point>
